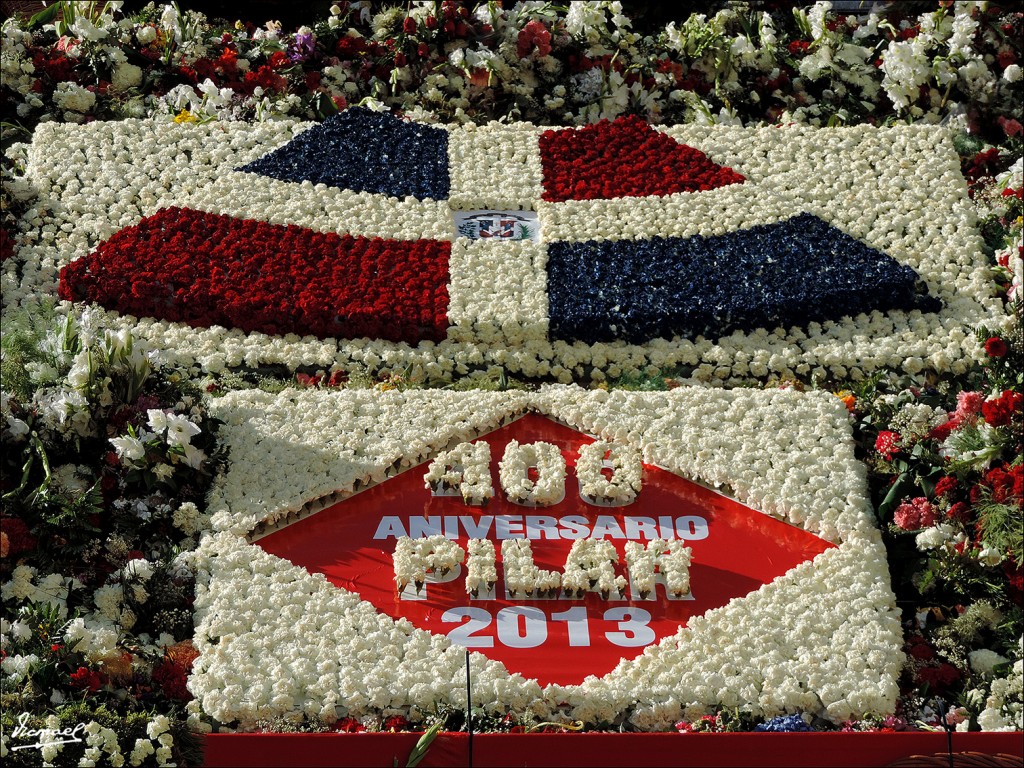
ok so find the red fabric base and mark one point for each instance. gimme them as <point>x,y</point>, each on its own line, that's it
<point>594,750</point>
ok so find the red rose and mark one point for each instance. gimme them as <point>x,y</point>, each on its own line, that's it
<point>409,25</point>
<point>995,347</point>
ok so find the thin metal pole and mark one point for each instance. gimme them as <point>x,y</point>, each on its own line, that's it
<point>469,709</point>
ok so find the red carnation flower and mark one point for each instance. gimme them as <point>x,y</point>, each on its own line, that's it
<point>995,347</point>
<point>534,34</point>
<point>999,411</point>
<point>349,725</point>
<point>959,512</point>
<point>84,679</point>
<point>946,484</point>
<point>887,443</point>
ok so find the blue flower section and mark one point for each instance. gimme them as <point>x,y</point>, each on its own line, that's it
<point>365,151</point>
<point>783,724</point>
<point>785,274</point>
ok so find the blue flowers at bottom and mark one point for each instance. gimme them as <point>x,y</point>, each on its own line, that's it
<point>365,151</point>
<point>783,724</point>
<point>785,274</point>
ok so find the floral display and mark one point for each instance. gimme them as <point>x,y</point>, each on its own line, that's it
<point>250,271</point>
<point>781,274</point>
<point>514,310</point>
<point>465,469</point>
<point>625,478</point>
<point>624,158</point>
<point>108,453</point>
<point>522,577</point>
<point>668,558</point>
<point>415,557</point>
<point>329,285</point>
<point>814,483</point>
<point>410,159</point>
<point>545,460</point>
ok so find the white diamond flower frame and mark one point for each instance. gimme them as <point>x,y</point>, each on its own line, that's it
<point>275,640</point>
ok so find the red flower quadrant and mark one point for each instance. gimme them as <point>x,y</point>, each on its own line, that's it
<point>206,269</point>
<point>624,157</point>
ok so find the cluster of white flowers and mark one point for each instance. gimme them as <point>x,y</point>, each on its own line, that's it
<point>303,450</point>
<point>74,98</point>
<point>626,473</point>
<point>522,576</point>
<point>188,519</point>
<point>481,572</point>
<point>465,470</point>
<point>494,166</point>
<point>415,558</point>
<point>824,638</point>
<point>897,189</point>
<point>1004,710</point>
<point>514,473</point>
<point>590,567</point>
<point>670,559</point>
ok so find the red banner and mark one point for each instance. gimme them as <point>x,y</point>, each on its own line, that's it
<point>735,550</point>
<point>614,750</point>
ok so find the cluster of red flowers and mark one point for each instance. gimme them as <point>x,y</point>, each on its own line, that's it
<point>887,444</point>
<point>85,679</point>
<point>928,670</point>
<point>1004,486</point>
<point>1000,410</point>
<point>534,36</point>
<point>15,536</point>
<point>206,269</point>
<point>624,157</point>
<point>224,70</point>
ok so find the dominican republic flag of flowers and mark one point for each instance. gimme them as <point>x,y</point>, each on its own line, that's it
<point>607,200</point>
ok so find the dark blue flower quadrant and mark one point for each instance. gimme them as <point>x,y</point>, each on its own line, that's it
<point>785,274</point>
<point>365,151</point>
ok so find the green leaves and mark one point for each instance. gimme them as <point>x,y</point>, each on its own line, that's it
<point>420,750</point>
<point>45,16</point>
<point>899,490</point>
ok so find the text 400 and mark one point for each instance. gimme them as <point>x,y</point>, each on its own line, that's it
<point>527,627</point>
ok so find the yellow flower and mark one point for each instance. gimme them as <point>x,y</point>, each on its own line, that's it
<point>185,117</point>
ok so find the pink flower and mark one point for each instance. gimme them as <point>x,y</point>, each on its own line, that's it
<point>1010,127</point>
<point>969,404</point>
<point>915,514</point>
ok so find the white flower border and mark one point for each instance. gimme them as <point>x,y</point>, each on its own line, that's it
<point>824,638</point>
<point>898,189</point>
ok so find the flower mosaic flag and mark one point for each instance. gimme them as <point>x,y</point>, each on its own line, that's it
<point>777,601</point>
<point>561,252</point>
